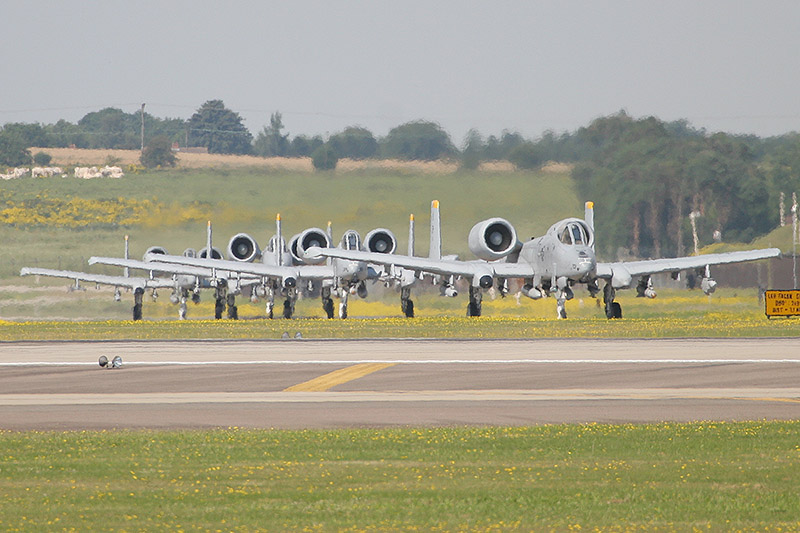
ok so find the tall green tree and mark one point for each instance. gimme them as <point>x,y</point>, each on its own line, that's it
<point>13,148</point>
<point>158,153</point>
<point>354,142</point>
<point>419,140</point>
<point>219,129</point>
<point>271,141</point>
<point>112,128</point>
<point>473,152</point>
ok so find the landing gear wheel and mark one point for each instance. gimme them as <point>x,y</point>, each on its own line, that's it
<point>288,309</point>
<point>233,311</point>
<point>408,309</point>
<point>474,305</point>
<point>219,307</point>
<point>327,306</point>
<point>615,311</point>
<point>138,295</point>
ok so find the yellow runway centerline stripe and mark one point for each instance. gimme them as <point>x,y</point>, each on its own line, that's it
<point>337,377</point>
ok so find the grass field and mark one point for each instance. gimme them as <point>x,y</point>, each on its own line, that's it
<point>710,476</point>
<point>675,313</point>
<point>669,477</point>
<point>248,199</point>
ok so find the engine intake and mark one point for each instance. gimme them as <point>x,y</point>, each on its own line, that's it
<point>242,247</point>
<point>380,240</point>
<point>493,239</point>
<point>302,242</point>
<point>216,253</point>
<point>160,250</point>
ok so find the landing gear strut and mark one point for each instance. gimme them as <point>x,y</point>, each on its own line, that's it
<point>182,304</point>
<point>288,304</point>
<point>327,301</point>
<point>343,304</point>
<point>406,303</point>
<point>475,298</point>
<point>220,294</point>
<point>233,311</point>
<point>138,295</point>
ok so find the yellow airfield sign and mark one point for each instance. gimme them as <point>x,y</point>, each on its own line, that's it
<point>782,303</point>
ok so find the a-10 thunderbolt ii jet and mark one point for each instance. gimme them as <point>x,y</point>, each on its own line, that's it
<point>550,264</point>
<point>182,283</point>
<point>283,269</point>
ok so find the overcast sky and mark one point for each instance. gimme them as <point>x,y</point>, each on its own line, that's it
<point>526,66</point>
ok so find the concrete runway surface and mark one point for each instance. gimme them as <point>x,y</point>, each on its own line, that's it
<point>374,383</point>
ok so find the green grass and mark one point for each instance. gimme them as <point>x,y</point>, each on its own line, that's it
<point>718,476</point>
<point>675,313</point>
<point>248,200</point>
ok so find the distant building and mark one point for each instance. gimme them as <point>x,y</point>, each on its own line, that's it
<point>189,149</point>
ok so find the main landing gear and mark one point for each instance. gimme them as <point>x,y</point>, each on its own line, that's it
<point>613,309</point>
<point>138,296</point>
<point>475,298</point>
<point>406,303</point>
<point>327,301</point>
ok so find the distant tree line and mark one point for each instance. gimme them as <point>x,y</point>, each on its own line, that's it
<point>645,175</point>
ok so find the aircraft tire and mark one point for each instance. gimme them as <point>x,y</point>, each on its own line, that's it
<point>137,312</point>
<point>473,309</point>
<point>327,306</point>
<point>409,309</point>
<point>615,311</point>
<point>218,308</point>
<point>287,309</point>
<point>233,312</point>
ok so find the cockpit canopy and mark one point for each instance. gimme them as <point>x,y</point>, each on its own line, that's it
<point>351,240</point>
<point>575,232</point>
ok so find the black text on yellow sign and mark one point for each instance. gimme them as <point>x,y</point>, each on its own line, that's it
<point>782,303</point>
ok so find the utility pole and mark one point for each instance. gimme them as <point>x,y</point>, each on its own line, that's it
<point>142,127</point>
<point>794,240</point>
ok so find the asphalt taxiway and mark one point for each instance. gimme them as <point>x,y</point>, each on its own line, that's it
<point>369,383</point>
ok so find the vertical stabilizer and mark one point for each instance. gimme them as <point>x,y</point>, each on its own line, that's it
<point>127,271</point>
<point>411,235</point>
<point>589,218</point>
<point>209,249</point>
<point>589,214</point>
<point>278,241</point>
<point>436,232</point>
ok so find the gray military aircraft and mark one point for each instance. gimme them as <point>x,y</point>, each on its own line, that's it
<point>550,264</point>
<point>180,282</point>
<point>283,268</point>
<point>226,284</point>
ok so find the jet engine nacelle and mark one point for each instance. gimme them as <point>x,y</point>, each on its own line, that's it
<point>242,247</point>
<point>380,241</point>
<point>302,242</point>
<point>216,253</point>
<point>160,250</point>
<point>493,239</point>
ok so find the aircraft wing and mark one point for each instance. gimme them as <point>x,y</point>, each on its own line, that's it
<point>675,264</point>
<point>153,267</point>
<point>433,266</point>
<point>117,281</point>
<point>253,269</point>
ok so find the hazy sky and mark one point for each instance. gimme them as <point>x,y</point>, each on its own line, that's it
<point>527,66</point>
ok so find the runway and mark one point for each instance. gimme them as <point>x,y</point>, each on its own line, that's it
<point>375,383</point>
